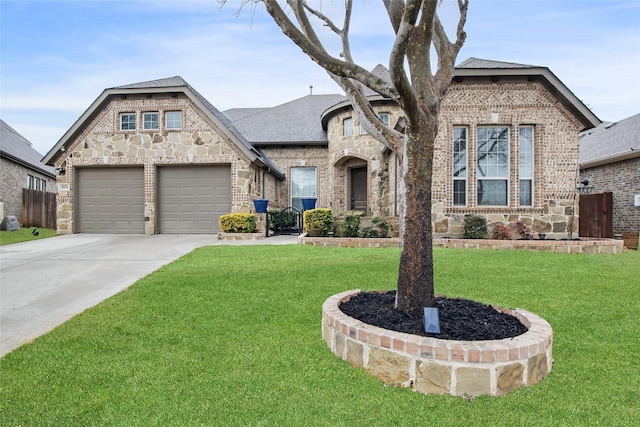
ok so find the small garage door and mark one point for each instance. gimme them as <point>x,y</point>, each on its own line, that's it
<point>192,198</point>
<point>110,200</point>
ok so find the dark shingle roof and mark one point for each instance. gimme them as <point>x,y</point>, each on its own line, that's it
<point>487,63</point>
<point>611,141</point>
<point>19,149</point>
<point>295,122</point>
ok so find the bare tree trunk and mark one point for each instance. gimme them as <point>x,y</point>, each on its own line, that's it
<point>415,276</point>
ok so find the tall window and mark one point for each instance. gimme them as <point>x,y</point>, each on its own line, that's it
<point>493,166</point>
<point>384,118</point>
<point>459,166</point>
<point>303,184</point>
<point>128,121</point>
<point>29,182</point>
<point>347,124</point>
<point>173,120</point>
<point>525,136</point>
<point>149,121</point>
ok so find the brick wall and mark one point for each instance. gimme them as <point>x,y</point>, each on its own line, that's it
<point>512,102</point>
<point>623,180</point>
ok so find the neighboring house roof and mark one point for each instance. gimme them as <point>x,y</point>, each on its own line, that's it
<point>610,142</point>
<point>476,67</point>
<point>17,148</point>
<point>295,122</point>
<point>167,85</point>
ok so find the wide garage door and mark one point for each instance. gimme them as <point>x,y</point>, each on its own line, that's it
<point>110,200</point>
<point>192,198</point>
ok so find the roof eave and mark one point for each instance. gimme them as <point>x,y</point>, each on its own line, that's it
<point>613,158</point>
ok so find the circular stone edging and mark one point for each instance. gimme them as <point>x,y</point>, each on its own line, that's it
<point>438,366</point>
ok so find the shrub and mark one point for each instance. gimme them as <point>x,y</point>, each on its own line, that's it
<point>318,222</point>
<point>238,223</point>
<point>523,229</point>
<point>379,228</point>
<point>286,218</point>
<point>475,227</point>
<point>350,224</point>
<point>502,232</point>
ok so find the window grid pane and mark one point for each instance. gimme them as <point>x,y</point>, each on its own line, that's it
<point>150,121</point>
<point>128,121</point>
<point>493,162</point>
<point>173,120</point>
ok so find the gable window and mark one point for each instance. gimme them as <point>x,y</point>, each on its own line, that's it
<point>173,120</point>
<point>303,184</point>
<point>493,166</point>
<point>128,121</point>
<point>384,118</point>
<point>459,166</point>
<point>525,175</point>
<point>347,124</point>
<point>149,121</point>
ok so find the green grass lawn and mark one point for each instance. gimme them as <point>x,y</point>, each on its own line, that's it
<point>24,235</point>
<point>230,336</point>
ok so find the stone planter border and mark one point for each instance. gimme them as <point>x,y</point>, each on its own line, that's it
<point>589,246</point>
<point>240,236</point>
<point>436,366</point>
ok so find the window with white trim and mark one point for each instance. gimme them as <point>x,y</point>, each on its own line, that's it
<point>460,166</point>
<point>525,174</point>
<point>347,124</point>
<point>128,121</point>
<point>492,166</point>
<point>173,120</point>
<point>30,182</point>
<point>149,121</point>
<point>303,184</point>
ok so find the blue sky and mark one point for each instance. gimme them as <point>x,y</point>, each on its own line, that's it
<point>56,57</point>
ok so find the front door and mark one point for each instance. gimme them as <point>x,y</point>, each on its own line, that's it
<point>358,189</point>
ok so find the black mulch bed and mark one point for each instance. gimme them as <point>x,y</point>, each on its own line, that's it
<point>460,319</point>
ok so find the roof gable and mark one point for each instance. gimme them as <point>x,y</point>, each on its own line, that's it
<point>19,149</point>
<point>167,85</point>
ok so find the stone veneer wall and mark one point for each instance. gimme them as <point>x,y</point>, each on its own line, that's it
<point>102,143</point>
<point>435,366</point>
<point>359,149</point>
<point>623,180</point>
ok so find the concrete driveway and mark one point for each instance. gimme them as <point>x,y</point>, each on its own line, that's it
<point>44,283</point>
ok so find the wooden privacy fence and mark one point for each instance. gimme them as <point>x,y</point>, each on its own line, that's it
<point>595,215</point>
<point>38,209</point>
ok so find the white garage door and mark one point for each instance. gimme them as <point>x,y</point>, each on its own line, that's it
<point>110,200</point>
<point>192,198</point>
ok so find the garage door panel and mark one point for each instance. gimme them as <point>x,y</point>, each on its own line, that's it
<point>192,198</point>
<point>110,200</point>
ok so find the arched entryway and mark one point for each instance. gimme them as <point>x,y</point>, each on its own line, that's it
<point>351,184</point>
